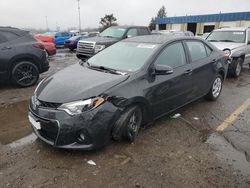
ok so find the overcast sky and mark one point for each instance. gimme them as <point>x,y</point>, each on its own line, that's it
<point>64,13</point>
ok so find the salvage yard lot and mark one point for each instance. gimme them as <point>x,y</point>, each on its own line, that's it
<point>182,152</point>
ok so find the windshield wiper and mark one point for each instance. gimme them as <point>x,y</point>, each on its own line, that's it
<point>213,40</point>
<point>227,40</point>
<point>113,71</point>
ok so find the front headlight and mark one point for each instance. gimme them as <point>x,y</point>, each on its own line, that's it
<point>77,107</point>
<point>227,52</point>
<point>99,48</point>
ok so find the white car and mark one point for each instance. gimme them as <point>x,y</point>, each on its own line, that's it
<point>235,42</point>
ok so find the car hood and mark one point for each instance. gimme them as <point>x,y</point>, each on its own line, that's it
<point>101,40</point>
<point>76,83</point>
<point>229,45</point>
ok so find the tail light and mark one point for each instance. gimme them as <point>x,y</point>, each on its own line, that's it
<point>39,45</point>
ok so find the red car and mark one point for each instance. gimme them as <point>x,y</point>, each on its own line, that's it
<point>50,48</point>
<point>45,38</point>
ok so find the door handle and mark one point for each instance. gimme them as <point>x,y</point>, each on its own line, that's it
<point>6,48</point>
<point>189,71</point>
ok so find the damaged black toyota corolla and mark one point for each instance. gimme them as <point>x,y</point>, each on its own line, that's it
<point>124,87</point>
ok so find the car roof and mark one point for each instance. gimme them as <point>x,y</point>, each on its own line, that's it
<point>129,26</point>
<point>232,29</point>
<point>13,30</point>
<point>157,39</point>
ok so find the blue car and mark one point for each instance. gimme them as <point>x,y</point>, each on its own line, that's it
<point>61,37</point>
<point>71,43</point>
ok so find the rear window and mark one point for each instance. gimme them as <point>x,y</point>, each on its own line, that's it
<point>9,35</point>
<point>2,38</point>
<point>196,50</point>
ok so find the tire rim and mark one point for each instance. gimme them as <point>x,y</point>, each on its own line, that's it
<point>25,74</point>
<point>134,125</point>
<point>217,87</point>
<point>238,69</point>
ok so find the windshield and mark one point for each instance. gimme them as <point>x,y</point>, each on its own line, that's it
<point>227,36</point>
<point>48,34</point>
<point>75,38</point>
<point>113,32</point>
<point>124,56</point>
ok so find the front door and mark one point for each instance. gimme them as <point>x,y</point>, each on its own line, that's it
<point>168,92</point>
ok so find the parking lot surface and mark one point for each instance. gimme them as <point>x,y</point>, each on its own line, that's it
<point>207,146</point>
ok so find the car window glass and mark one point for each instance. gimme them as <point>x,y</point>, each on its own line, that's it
<point>59,34</point>
<point>143,31</point>
<point>173,56</point>
<point>2,39</point>
<point>9,35</point>
<point>208,49</point>
<point>132,32</point>
<point>197,50</point>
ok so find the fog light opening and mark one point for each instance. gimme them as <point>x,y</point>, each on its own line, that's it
<point>81,138</point>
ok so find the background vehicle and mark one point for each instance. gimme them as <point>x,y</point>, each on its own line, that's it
<point>50,48</point>
<point>60,38</point>
<point>88,47</point>
<point>46,37</point>
<point>125,86</point>
<point>235,42</point>
<point>22,57</point>
<point>173,32</point>
<point>71,43</point>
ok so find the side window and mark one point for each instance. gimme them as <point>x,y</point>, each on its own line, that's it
<point>132,32</point>
<point>197,50</point>
<point>2,39</point>
<point>173,56</point>
<point>9,35</point>
<point>208,49</point>
<point>143,31</point>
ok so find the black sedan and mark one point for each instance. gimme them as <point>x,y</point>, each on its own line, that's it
<point>124,87</point>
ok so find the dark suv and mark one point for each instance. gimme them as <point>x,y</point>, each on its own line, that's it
<point>88,47</point>
<point>22,57</point>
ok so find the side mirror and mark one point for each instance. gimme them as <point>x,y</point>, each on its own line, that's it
<point>163,70</point>
<point>248,42</point>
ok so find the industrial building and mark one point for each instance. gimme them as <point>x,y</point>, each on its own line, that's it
<point>199,24</point>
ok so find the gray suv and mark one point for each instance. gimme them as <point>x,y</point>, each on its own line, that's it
<point>235,42</point>
<point>22,58</point>
<point>88,47</point>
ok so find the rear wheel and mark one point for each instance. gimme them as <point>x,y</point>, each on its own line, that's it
<point>236,67</point>
<point>25,74</point>
<point>215,89</point>
<point>128,125</point>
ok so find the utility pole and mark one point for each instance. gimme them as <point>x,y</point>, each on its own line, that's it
<point>47,26</point>
<point>79,15</point>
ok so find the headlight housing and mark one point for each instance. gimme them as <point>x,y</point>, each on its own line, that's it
<point>227,52</point>
<point>99,48</point>
<point>77,107</point>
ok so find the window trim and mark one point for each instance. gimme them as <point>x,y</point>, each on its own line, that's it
<point>169,44</point>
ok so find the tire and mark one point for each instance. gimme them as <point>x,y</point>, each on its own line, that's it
<point>237,67</point>
<point>215,89</point>
<point>24,74</point>
<point>128,125</point>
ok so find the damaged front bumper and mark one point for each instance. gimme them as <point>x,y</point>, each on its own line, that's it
<point>87,131</point>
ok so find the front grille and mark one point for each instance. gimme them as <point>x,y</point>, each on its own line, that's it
<point>49,104</point>
<point>49,130</point>
<point>86,48</point>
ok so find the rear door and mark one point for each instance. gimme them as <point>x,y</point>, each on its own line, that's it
<point>168,92</point>
<point>203,62</point>
<point>7,51</point>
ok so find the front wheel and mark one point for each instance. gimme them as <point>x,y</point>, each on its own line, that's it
<point>25,74</point>
<point>215,89</point>
<point>236,67</point>
<point>128,125</point>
